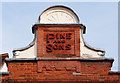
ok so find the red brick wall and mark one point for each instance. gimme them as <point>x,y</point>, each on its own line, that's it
<point>27,71</point>
<point>101,68</point>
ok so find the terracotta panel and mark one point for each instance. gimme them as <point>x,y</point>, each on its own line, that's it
<point>58,42</point>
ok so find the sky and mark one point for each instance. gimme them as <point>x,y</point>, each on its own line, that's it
<point>100,19</point>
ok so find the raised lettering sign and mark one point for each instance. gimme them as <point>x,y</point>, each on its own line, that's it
<point>58,42</point>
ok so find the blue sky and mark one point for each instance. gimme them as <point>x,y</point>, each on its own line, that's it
<point>100,18</point>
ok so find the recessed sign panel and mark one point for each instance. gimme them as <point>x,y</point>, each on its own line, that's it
<point>58,42</point>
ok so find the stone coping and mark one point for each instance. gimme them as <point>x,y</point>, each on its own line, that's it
<point>35,26</point>
<point>114,72</point>
<point>4,73</point>
<point>59,59</point>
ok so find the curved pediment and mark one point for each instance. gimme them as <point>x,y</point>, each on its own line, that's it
<point>58,14</point>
